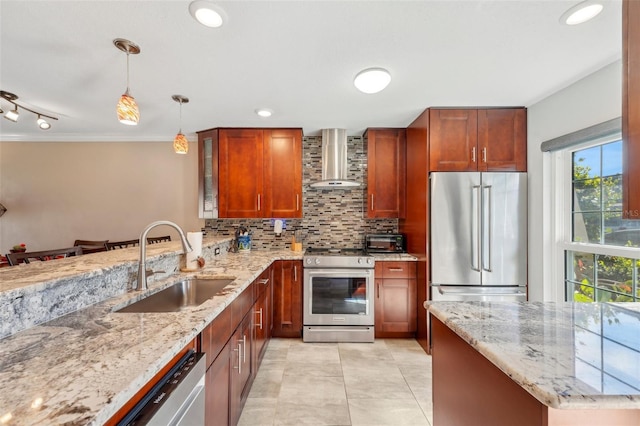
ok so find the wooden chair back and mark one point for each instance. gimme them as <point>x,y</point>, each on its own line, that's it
<point>27,257</point>
<point>89,246</point>
<point>122,244</point>
<point>155,240</point>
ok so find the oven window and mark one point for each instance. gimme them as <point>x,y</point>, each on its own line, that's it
<point>333,295</point>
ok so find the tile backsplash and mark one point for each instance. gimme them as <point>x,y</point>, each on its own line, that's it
<point>332,217</point>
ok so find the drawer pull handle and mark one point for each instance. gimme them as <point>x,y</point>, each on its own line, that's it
<point>396,269</point>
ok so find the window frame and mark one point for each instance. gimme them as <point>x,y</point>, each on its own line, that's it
<point>562,168</point>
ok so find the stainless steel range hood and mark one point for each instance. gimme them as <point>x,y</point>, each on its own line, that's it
<point>334,161</point>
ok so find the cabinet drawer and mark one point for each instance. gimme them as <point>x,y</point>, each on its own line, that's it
<point>396,269</point>
<point>262,283</point>
<point>241,306</point>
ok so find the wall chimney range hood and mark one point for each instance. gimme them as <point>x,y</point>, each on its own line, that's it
<point>334,161</point>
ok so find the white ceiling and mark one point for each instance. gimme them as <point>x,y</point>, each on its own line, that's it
<point>297,58</point>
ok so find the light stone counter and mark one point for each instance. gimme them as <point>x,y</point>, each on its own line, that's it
<point>567,355</point>
<point>394,257</point>
<point>82,367</point>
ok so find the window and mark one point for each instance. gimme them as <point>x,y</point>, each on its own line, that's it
<point>601,257</point>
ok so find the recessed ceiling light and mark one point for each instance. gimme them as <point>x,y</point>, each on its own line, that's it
<point>207,13</point>
<point>264,112</point>
<point>581,12</point>
<point>372,80</point>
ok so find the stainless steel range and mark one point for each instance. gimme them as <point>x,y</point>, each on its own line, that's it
<point>338,296</point>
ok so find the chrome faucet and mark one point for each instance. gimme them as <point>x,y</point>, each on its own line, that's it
<point>142,268</point>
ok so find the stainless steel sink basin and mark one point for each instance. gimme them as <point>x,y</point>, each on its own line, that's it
<point>189,292</point>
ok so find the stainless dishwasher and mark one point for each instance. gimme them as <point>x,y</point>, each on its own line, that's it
<point>177,399</point>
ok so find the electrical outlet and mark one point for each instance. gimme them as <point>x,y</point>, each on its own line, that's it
<point>216,251</point>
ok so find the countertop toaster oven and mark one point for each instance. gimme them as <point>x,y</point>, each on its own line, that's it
<point>385,243</point>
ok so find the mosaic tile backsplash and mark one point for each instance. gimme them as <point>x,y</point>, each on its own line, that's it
<point>332,217</point>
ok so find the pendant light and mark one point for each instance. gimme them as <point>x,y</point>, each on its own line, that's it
<point>127,107</point>
<point>180,142</point>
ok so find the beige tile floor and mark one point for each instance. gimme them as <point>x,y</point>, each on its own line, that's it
<point>383,383</point>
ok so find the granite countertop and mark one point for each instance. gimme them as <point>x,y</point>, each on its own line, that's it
<point>82,367</point>
<point>567,355</point>
<point>394,257</point>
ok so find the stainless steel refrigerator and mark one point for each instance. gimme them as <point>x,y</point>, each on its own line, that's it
<point>478,236</point>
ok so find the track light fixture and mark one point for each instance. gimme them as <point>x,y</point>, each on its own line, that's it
<point>14,114</point>
<point>127,108</point>
<point>180,142</point>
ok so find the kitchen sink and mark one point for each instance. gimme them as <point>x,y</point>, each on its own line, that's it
<point>186,293</point>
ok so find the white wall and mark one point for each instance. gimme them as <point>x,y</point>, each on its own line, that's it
<point>56,192</point>
<point>592,100</point>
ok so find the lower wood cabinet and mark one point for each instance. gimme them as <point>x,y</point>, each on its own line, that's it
<point>287,298</point>
<point>396,304</point>
<point>235,343</point>
<point>217,389</point>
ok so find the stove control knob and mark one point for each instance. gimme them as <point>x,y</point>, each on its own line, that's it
<point>360,260</point>
<point>317,261</point>
<point>309,261</point>
<point>369,261</point>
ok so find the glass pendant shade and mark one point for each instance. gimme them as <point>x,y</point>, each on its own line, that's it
<point>180,144</point>
<point>127,110</point>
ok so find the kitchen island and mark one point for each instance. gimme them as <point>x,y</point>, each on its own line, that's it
<point>82,367</point>
<point>535,363</point>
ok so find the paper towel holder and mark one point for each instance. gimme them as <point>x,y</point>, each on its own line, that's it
<point>278,226</point>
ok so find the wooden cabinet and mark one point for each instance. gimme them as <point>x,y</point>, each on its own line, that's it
<point>396,306</point>
<point>631,108</point>
<point>263,312</point>
<point>217,388</point>
<point>493,139</point>
<point>282,173</point>
<point>250,173</point>
<point>386,172</point>
<point>240,173</point>
<point>287,298</point>
<point>234,344</point>
<point>241,371</point>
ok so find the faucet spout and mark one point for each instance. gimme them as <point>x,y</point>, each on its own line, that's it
<point>142,267</point>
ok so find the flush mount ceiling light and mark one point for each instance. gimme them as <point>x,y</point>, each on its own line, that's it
<point>127,107</point>
<point>180,142</point>
<point>264,112</point>
<point>582,12</point>
<point>372,80</point>
<point>14,114</point>
<point>207,13</point>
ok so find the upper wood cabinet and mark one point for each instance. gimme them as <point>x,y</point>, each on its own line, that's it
<point>631,108</point>
<point>493,139</point>
<point>250,173</point>
<point>386,172</point>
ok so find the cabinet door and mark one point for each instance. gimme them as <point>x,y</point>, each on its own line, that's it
<point>453,140</point>
<point>262,322</point>
<point>502,139</point>
<point>396,305</point>
<point>217,389</point>
<point>208,174</point>
<point>283,173</point>
<point>287,299</point>
<point>241,370</point>
<point>240,173</point>
<point>386,171</point>
<point>631,108</point>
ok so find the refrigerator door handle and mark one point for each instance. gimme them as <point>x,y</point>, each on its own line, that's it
<point>475,227</point>
<point>487,224</point>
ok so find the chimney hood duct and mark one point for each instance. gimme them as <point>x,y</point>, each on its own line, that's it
<point>334,161</point>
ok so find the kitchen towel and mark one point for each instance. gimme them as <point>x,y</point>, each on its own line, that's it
<point>195,239</point>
